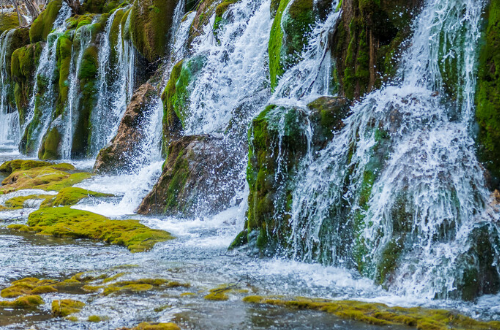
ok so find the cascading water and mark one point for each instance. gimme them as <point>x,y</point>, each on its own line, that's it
<point>84,35</point>
<point>234,69</point>
<point>42,102</point>
<point>115,85</point>
<point>9,118</point>
<point>402,177</point>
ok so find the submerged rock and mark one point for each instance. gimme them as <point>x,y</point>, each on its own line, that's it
<point>198,178</point>
<point>120,153</point>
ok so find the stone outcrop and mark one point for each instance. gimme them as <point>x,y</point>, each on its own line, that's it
<point>368,41</point>
<point>200,177</point>
<point>118,155</point>
<point>277,144</point>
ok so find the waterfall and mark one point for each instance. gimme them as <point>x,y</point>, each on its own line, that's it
<point>42,101</point>
<point>310,77</point>
<point>84,36</point>
<point>115,85</point>
<point>401,180</point>
<point>234,68</point>
<point>9,118</point>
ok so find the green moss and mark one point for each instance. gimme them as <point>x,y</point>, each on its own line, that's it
<point>94,318</point>
<point>50,145</point>
<point>42,25</point>
<point>87,75</point>
<point>8,21</point>
<point>65,307</point>
<point>219,12</point>
<point>150,24</point>
<point>67,222</point>
<point>16,203</point>
<point>71,196</point>
<point>26,302</point>
<point>487,96</point>
<point>288,36</point>
<point>21,164</point>
<point>23,63</point>
<point>175,97</point>
<point>64,50</point>
<point>382,315</point>
<point>270,191</point>
<point>158,326</point>
<point>47,178</point>
<point>28,286</point>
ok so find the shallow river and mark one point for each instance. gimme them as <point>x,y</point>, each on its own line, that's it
<point>197,256</point>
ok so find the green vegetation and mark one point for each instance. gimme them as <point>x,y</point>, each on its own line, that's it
<point>65,307</point>
<point>25,302</point>
<point>288,36</point>
<point>71,196</point>
<point>42,25</point>
<point>488,97</point>
<point>53,177</point>
<point>67,222</point>
<point>383,315</point>
<point>8,21</point>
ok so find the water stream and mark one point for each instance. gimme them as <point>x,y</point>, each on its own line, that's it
<point>402,171</point>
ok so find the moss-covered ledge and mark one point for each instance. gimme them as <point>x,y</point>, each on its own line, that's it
<point>67,222</point>
<point>488,95</point>
<point>381,314</point>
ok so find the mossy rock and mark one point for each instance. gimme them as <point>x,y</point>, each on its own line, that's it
<point>88,91</point>
<point>28,286</point>
<point>65,307</point>
<point>71,196</point>
<point>25,302</point>
<point>204,12</point>
<point>176,95</point>
<point>269,197</point>
<point>50,145</point>
<point>47,178</point>
<point>17,203</point>
<point>67,222</point>
<point>42,25</point>
<point>64,51</point>
<point>23,64</point>
<point>368,42</point>
<point>8,21</point>
<point>21,164</point>
<point>157,326</point>
<point>151,22</point>
<point>488,96</point>
<point>289,36</point>
<point>381,314</point>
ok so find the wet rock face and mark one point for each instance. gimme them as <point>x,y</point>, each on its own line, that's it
<point>200,176</point>
<point>368,41</point>
<point>278,144</point>
<point>118,155</point>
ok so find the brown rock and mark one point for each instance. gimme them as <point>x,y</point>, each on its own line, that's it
<point>200,177</point>
<point>117,156</point>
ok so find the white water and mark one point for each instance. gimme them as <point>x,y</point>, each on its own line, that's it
<point>425,166</point>
<point>9,118</point>
<point>44,104</point>
<point>234,71</point>
<point>115,86</point>
<point>84,35</point>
